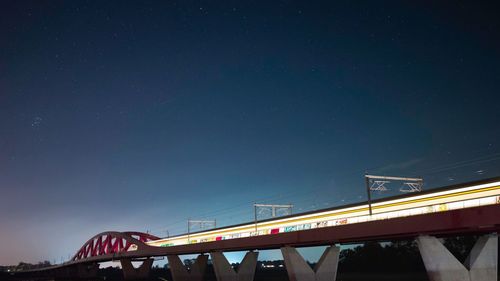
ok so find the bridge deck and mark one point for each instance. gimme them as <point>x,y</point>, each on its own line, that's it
<point>483,219</point>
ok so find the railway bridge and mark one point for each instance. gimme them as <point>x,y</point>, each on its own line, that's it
<point>472,208</point>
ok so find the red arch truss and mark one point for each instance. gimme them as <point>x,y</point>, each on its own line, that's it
<point>111,242</point>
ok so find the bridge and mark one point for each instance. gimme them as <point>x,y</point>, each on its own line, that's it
<point>471,208</point>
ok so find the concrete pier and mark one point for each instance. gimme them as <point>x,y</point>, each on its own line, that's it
<point>87,270</point>
<point>181,273</point>
<point>225,272</point>
<point>441,265</point>
<point>132,273</point>
<point>299,270</point>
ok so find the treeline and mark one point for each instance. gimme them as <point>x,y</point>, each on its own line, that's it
<point>25,266</point>
<point>397,256</point>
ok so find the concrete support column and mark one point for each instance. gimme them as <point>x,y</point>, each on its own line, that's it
<point>66,272</point>
<point>84,271</point>
<point>181,273</point>
<point>87,271</point>
<point>225,272</point>
<point>132,273</point>
<point>441,265</point>
<point>299,270</point>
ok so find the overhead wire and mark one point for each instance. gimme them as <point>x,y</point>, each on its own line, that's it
<point>223,212</point>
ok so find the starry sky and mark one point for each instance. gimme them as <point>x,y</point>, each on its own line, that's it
<point>137,115</point>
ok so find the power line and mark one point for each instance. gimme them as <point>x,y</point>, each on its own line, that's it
<point>281,196</point>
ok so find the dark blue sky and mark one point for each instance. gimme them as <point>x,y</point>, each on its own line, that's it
<point>137,115</point>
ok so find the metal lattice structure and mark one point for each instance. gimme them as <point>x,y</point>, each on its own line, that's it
<point>411,187</point>
<point>274,208</point>
<point>201,224</point>
<point>377,183</point>
<point>108,243</point>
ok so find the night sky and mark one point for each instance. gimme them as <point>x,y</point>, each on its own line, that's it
<point>137,115</point>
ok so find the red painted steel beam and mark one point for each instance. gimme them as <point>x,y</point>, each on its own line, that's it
<point>143,237</point>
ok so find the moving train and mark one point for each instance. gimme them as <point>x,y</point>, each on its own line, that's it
<point>468,195</point>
